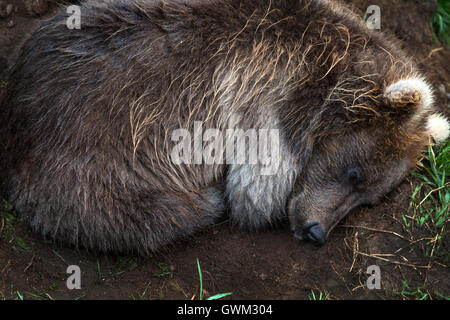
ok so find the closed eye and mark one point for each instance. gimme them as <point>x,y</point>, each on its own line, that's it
<point>354,177</point>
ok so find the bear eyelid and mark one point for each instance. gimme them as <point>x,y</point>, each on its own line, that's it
<point>354,176</point>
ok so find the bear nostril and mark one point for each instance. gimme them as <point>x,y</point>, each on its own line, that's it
<point>314,232</point>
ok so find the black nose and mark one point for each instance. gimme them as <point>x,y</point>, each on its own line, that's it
<point>313,231</point>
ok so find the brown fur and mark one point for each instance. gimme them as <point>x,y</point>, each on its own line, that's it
<point>89,114</point>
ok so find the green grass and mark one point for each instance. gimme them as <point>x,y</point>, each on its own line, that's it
<point>43,295</point>
<point>8,222</point>
<point>214,297</point>
<point>440,22</point>
<point>165,270</point>
<point>409,293</point>
<point>430,201</point>
<point>124,264</point>
<point>319,296</point>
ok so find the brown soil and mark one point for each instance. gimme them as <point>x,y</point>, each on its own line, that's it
<point>269,264</point>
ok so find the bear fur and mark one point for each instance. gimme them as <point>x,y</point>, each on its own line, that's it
<point>89,115</point>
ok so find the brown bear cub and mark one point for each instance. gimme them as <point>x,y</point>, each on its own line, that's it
<point>117,136</point>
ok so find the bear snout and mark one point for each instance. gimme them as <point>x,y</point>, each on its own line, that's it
<point>311,231</point>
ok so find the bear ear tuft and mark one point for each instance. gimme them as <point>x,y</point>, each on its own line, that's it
<point>438,127</point>
<point>413,93</point>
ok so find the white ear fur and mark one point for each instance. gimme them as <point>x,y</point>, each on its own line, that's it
<point>438,127</point>
<point>413,90</point>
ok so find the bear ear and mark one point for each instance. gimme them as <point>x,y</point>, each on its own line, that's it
<point>438,127</point>
<point>414,93</point>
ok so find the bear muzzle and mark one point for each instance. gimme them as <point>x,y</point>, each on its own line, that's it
<point>311,231</point>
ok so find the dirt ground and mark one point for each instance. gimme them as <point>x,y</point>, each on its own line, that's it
<point>269,264</point>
